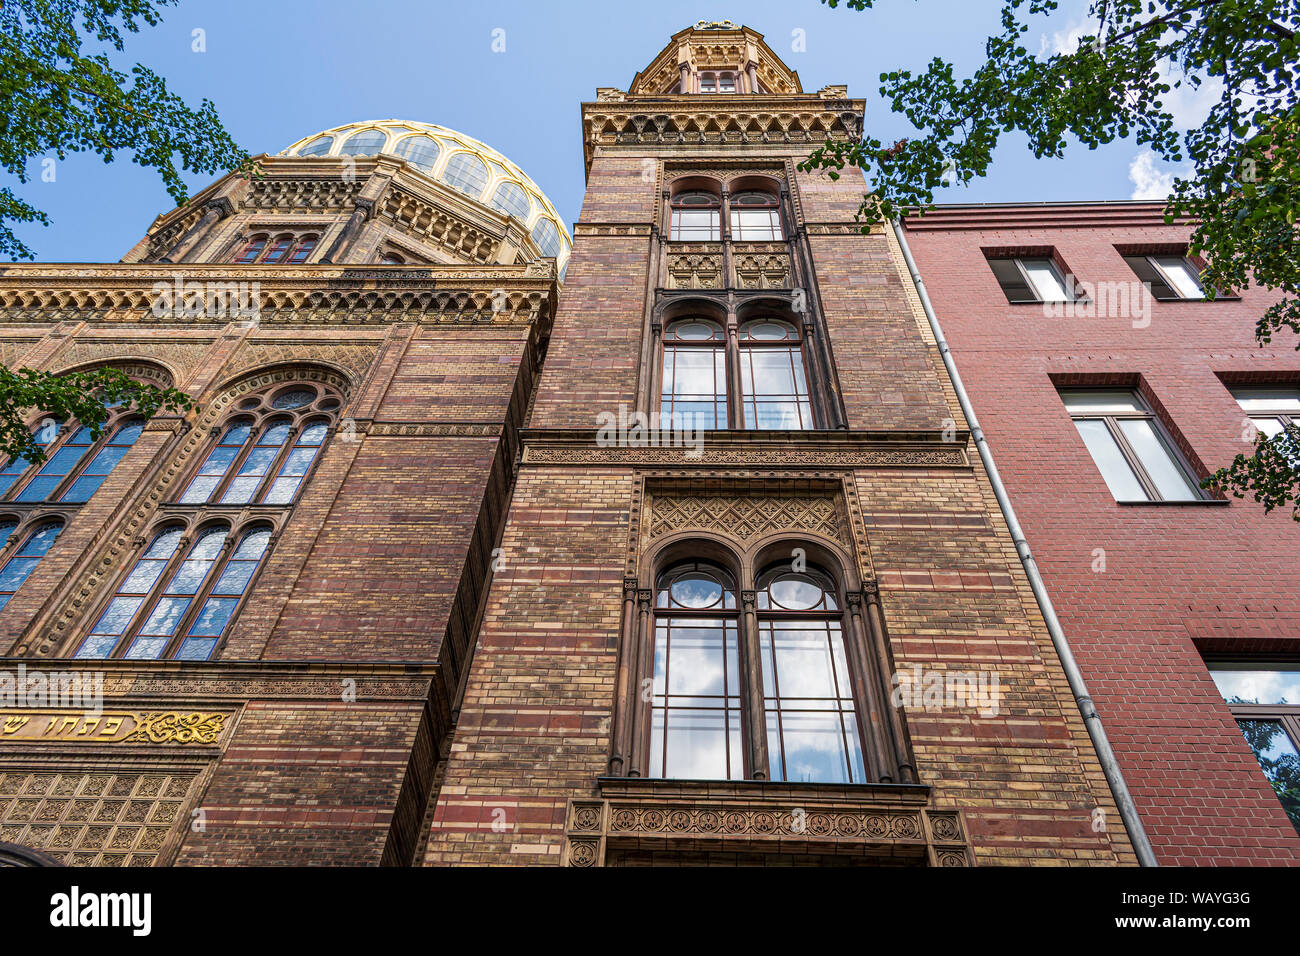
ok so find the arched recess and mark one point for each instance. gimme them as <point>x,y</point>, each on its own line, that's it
<point>846,633</point>
<point>73,610</point>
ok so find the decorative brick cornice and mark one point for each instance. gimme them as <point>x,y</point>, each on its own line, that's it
<point>862,822</point>
<point>777,450</point>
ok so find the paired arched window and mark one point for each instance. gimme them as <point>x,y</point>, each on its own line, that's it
<point>76,464</point>
<point>263,453</point>
<point>285,248</point>
<point>695,386</point>
<point>19,563</point>
<point>719,82</point>
<point>696,217</point>
<point>180,595</point>
<point>714,677</point>
<point>755,217</point>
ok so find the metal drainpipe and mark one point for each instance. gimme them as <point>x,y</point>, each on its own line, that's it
<point>1118,788</point>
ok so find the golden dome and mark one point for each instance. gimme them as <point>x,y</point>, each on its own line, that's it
<point>462,162</point>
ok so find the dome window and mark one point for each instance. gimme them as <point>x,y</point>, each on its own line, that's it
<point>317,147</point>
<point>547,238</point>
<point>420,151</point>
<point>466,172</point>
<point>512,200</point>
<point>368,142</point>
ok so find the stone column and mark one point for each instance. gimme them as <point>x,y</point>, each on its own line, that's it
<point>348,237</point>
<point>214,210</point>
<point>755,724</point>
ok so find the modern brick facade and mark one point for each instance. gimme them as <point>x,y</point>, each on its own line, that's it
<point>1182,582</point>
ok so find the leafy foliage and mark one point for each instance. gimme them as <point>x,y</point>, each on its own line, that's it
<point>82,396</point>
<point>56,99</point>
<point>1244,158</point>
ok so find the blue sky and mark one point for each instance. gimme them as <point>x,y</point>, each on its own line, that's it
<point>281,69</point>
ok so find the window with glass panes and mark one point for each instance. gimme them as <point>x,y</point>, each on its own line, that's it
<point>1130,448</point>
<point>1265,701</point>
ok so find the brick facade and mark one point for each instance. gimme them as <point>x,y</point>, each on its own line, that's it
<point>1181,582</point>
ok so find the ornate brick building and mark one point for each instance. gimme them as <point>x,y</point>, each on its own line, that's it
<point>416,582</point>
<point>1105,404</point>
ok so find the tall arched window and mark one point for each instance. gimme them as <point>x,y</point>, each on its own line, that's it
<point>76,464</point>
<point>180,595</point>
<point>696,217</point>
<point>263,452</point>
<point>252,250</point>
<point>693,390</point>
<point>755,217</point>
<point>774,386</point>
<point>762,689</point>
<point>24,559</point>
<point>812,727</point>
<point>695,711</point>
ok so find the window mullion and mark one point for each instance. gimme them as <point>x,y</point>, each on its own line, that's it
<point>151,598</point>
<point>1131,456</point>
<point>201,594</point>
<point>232,470</point>
<point>753,714</point>
<point>273,469</point>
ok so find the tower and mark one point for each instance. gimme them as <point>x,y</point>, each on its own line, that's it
<point>754,600</point>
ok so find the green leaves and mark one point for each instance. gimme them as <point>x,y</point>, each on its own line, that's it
<point>1242,190</point>
<point>55,100</point>
<point>83,396</point>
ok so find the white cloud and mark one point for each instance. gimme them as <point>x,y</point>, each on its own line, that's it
<point>1067,40</point>
<point>1149,181</point>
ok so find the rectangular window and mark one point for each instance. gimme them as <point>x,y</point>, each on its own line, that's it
<point>1169,276</point>
<point>1129,447</point>
<point>1031,280</point>
<point>696,225</point>
<point>1265,700</point>
<point>756,225</point>
<point>1271,408</point>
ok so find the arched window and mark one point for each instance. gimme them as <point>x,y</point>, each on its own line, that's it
<point>774,386</point>
<point>511,199</point>
<point>180,595</point>
<point>302,250</point>
<point>693,392</point>
<point>547,237</point>
<point>695,709</point>
<point>317,147</point>
<point>724,82</point>
<point>252,250</point>
<point>367,142</point>
<point>420,151</point>
<point>265,450</point>
<point>764,691</point>
<point>696,217</point>
<point>24,560</point>
<point>466,172</point>
<point>284,248</point>
<point>76,463</point>
<point>812,726</point>
<point>755,217</point>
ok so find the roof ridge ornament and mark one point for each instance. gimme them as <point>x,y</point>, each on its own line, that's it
<point>715,25</point>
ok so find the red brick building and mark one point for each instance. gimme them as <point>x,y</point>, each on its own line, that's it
<point>1156,583</point>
